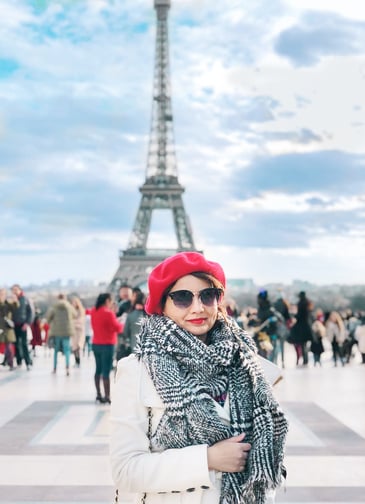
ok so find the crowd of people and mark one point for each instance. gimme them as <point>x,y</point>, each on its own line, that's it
<point>68,327</point>
<point>108,330</point>
<point>307,327</point>
<point>191,374</point>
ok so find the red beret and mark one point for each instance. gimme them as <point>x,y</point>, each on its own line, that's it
<point>171,269</point>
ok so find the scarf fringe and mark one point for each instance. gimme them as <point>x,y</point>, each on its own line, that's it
<point>187,374</point>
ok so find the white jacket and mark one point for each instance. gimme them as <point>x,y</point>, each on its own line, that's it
<point>334,331</point>
<point>174,476</point>
<point>360,337</point>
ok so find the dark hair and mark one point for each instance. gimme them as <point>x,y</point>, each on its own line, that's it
<point>102,299</point>
<point>140,298</point>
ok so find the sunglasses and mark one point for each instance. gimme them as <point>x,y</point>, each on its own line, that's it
<point>184,298</point>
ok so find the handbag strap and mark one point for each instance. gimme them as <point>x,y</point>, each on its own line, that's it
<point>149,434</point>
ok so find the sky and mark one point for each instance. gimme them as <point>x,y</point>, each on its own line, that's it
<point>269,124</point>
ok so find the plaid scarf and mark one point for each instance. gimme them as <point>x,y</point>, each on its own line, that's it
<point>187,374</point>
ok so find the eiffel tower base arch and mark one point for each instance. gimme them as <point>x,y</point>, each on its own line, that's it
<point>134,269</point>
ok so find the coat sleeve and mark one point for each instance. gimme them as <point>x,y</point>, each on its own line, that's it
<point>135,469</point>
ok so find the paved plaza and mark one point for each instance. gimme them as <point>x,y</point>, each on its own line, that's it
<point>54,438</point>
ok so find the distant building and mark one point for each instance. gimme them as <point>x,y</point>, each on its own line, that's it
<point>240,284</point>
<point>302,285</point>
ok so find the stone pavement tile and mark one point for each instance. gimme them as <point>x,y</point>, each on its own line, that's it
<point>25,433</point>
<point>315,495</point>
<point>55,470</point>
<point>325,434</point>
<point>325,471</point>
<point>52,432</point>
<point>56,494</point>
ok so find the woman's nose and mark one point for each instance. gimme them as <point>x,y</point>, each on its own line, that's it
<point>197,304</point>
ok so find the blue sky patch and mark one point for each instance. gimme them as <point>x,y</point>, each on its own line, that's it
<point>269,131</point>
<point>7,67</point>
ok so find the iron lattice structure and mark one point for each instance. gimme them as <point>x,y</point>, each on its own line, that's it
<point>161,189</point>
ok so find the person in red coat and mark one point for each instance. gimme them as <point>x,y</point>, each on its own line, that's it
<point>105,327</point>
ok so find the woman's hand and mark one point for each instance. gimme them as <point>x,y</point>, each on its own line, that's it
<point>229,455</point>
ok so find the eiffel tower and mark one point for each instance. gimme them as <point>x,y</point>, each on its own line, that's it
<point>161,189</point>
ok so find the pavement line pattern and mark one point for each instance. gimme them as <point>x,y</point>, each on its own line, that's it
<point>56,450</point>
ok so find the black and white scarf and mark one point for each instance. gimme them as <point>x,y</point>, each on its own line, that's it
<point>187,374</point>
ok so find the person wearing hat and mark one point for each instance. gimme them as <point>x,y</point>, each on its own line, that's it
<point>193,417</point>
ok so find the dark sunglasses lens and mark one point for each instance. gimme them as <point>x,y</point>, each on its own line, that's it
<point>209,296</point>
<point>182,298</point>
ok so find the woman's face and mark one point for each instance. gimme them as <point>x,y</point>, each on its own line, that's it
<point>198,318</point>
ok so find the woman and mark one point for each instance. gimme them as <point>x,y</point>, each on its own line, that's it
<point>78,338</point>
<point>105,329</point>
<point>36,332</point>
<point>7,334</point>
<point>60,318</point>
<point>318,333</point>
<point>360,338</point>
<point>301,331</point>
<point>88,333</point>
<point>194,419</point>
<point>133,321</point>
<point>266,338</point>
<point>336,334</point>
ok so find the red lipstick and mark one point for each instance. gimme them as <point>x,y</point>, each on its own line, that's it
<point>197,321</point>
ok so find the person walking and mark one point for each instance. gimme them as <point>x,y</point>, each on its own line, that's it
<point>360,337</point>
<point>122,308</point>
<point>36,332</point>
<point>267,318</point>
<point>133,321</point>
<point>78,337</point>
<point>61,318</point>
<point>105,327</point>
<point>88,333</point>
<point>317,348</point>
<point>194,418</point>
<point>301,331</point>
<point>282,306</point>
<point>124,302</point>
<point>336,334</point>
<point>23,318</point>
<point>7,333</point>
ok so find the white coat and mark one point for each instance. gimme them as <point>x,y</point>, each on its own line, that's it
<point>360,337</point>
<point>173,476</point>
<point>334,331</point>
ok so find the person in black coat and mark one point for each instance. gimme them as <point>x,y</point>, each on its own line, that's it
<point>268,322</point>
<point>301,331</point>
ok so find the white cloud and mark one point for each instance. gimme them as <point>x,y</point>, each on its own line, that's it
<point>75,124</point>
<point>352,9</point>
<point>298,203</point>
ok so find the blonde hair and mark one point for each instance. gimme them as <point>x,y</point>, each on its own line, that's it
<point>76,301</point>
<point>336,318</point>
